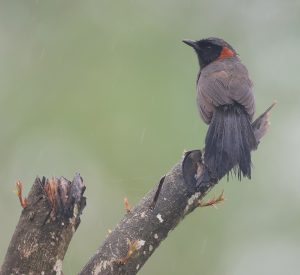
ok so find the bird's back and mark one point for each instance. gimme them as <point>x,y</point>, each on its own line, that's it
<point>224,82</point>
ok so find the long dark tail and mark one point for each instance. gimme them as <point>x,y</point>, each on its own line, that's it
<point>229,141</point>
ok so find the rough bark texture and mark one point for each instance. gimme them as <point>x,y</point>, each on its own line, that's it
<point>140,232</point>
<point>46,226</point>
<point>52,211</point>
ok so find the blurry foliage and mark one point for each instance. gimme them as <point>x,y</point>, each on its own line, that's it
<point>107,88</point>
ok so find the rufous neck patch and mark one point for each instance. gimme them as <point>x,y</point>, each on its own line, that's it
<point>225,53</point>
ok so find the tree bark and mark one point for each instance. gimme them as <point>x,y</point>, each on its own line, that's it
<point>52,215</point>
<point>48,221</point>
<point>139,233</point>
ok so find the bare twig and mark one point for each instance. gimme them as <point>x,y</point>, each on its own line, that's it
<point>126,205</point>
<point>214,201</point>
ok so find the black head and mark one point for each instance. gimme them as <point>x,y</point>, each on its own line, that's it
<point>211,49</point>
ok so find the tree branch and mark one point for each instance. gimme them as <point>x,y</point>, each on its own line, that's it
<point>139,233</point>
<point>48,221</point>
<point>52,212</point>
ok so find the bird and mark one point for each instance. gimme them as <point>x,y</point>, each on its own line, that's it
<point>226,103</point>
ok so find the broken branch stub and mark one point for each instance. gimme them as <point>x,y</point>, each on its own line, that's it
<point>52,211</point>
<point>46,226</point>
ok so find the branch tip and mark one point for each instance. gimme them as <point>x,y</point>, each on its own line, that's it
<point>132,248</point>
<point>213,201</point>
<point>126,205</point>
<point>19,191</point>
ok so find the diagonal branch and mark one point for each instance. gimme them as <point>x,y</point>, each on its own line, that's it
<point>140,232</point>
<point>52,212</point>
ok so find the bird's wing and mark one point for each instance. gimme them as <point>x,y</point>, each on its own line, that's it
<point>221,87</point>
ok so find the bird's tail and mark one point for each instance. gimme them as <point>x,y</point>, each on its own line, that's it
<point>229,141</point>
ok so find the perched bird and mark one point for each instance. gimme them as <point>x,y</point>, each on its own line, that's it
<point>226,102</point>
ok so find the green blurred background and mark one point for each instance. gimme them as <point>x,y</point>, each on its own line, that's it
<point>106,88</point>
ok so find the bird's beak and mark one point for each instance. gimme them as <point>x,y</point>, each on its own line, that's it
<point>191,43</point>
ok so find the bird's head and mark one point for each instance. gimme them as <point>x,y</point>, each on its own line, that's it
<point>211,49</point>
